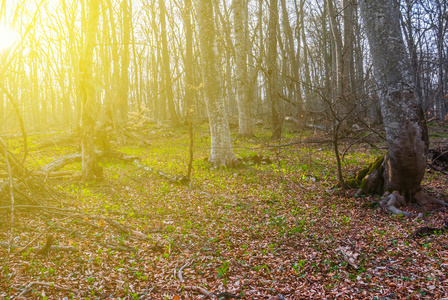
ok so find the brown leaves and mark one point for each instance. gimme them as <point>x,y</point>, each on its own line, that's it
<point>280,234</point>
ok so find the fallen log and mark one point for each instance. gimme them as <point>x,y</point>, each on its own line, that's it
<point>72,158</point>
<point>44,174</point>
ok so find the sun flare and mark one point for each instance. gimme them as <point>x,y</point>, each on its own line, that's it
<point>7,37</point>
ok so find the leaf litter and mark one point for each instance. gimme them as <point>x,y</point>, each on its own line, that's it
<point>263,231</point>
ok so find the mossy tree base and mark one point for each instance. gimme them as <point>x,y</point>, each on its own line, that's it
<point>371,180</point>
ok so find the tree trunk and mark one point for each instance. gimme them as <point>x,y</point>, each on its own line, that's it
<point>277,120</point>
<point>308,84</point>
<point>405,162</point>
<point>337,47</point>
<point>296,94</point>
<point>221,153</point>
<point>90,169</point>
<point>188,62</point>
<point>124,81</point>
<point>166,65</point>
<point>244,102</point>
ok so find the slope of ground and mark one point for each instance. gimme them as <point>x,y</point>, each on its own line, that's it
<point>253,232</point>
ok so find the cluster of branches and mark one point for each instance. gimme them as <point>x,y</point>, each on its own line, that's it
<point>145,50</point>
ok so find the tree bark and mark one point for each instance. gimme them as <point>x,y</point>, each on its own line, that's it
<point>124,81</point>
<point>337,47</point>
<point>277,120</point>
<point>406,159</point>
<point>221,153</point>
<point>296,94</point>
<point>166,65</point>
<point>243,101</point>
<point>188,62</point>
<point>90,169</point>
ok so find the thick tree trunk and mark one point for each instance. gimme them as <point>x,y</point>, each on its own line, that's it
<point>405,163</point>
<point>221,153</point>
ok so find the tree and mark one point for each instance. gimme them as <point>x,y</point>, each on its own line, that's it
<point>90,169</point>
<point>405,163</point>
<point>124,80</point>
<point>166,65</point>
<point>277,120</point>
<point>221,153</point>
<point>243,100</point>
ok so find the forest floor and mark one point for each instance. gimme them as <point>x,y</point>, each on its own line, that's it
<point>255,232</point>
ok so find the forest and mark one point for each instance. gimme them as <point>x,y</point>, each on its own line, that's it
<point>223,149</point>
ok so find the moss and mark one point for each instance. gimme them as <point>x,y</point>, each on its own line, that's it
<point>372,166</point>
<point>363,185</point>
<point>361,174</point>
<point>352,183</point>
<point>376,165</point>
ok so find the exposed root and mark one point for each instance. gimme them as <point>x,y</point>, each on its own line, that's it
<point>394,200</point>
<point>391,201</point>
<point>423,198</point>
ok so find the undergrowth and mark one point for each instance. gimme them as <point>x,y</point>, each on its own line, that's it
<point>254,231</point>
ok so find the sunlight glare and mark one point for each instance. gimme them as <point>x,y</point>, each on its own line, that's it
<point>7,37</point>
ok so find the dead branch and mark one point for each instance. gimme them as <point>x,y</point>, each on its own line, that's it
<point>11,190</point>
<point>32,242</point>
<point>39,249</point>
<point>179,273</point>
<point>200,290</point>
<point>61,162</point>
<point>31,284</point>
<point>278,297</point>
<point>19,116</point>
<point>437,169</point>
<point>43,174</point>
<point>121,248</point>
<point>72,158</point>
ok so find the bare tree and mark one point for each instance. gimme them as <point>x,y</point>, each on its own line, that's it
<point>221,153</point>
<point>405,162</point>
<point>166,65</point>
<point>90,169</point>
<point>244,102</point>
<point>277,119</point>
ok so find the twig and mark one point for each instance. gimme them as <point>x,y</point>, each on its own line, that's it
<point>200,290</point>
<point>179,273</point>
<point>11,191</point>
<point>37,173</point>
<point>38,236</point>
<point>355,142</point>
<point>19,116</point>
<point>37,250</point>
<point>30,285</point>
<point>437,169</point>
